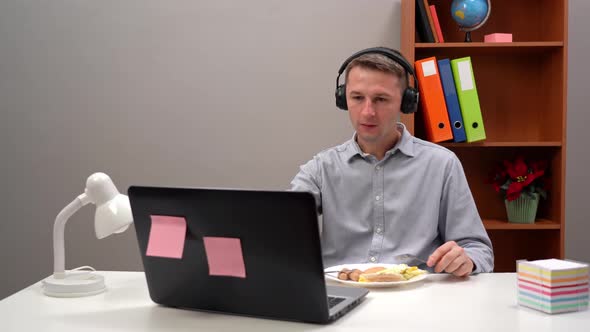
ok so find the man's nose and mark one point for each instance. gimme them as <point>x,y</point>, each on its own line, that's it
<point>368,107</point>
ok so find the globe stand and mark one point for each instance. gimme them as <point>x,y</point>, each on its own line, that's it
<point>468,37</point>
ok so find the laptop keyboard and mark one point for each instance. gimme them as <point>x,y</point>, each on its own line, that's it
<point>333,300</point>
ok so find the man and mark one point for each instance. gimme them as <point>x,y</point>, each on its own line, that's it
<point>385,192</point>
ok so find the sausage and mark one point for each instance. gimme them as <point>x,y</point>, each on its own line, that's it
<point>343,275</point>
<point>354,275</point>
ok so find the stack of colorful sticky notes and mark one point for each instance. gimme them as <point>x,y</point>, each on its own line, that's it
<point>553,285</point>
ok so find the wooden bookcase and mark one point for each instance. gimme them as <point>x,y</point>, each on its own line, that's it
<point>522,93</point>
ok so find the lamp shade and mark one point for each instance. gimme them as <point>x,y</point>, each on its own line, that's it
<point>113,211</point>
<point>113,216</point>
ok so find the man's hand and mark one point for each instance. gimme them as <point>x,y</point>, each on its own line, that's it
<point>451,258</point>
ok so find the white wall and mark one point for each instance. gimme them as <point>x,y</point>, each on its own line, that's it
<point>182,93</point>
<point>577,213</point>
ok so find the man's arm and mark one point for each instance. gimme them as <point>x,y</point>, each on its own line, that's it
<point>309,179</point>
<point>459,222</point>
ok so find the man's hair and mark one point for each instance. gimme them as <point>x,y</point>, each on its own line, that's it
<point>381,63</point>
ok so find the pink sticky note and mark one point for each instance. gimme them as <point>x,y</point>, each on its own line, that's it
<point>224,256</point>
<point>167,236</point>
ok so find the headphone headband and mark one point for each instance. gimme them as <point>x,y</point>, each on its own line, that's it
<point>388,52</point>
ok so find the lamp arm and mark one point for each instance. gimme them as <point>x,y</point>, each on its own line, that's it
<point>59,260</point>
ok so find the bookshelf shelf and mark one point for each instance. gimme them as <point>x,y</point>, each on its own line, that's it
<point>539,45</point>
<point>484,144</point>
<point>522,93</point>
<point>540,224</point>
<point>480,48</point>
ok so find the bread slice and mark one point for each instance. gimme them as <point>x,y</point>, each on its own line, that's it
<point>381,277</point>
<point>374,269</point>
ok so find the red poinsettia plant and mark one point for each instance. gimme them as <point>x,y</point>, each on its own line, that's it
<point>518,177</point>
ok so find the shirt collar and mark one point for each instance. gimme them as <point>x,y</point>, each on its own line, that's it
<point>404,145</point>
<point>406,142</point>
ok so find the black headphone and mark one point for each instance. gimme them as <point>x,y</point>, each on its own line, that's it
<point>410,96</point>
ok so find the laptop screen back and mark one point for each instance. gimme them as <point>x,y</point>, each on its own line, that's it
<point>236,251</point>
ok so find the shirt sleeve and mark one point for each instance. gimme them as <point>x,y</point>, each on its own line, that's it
<point>309,179</point>
<point>459,220</point>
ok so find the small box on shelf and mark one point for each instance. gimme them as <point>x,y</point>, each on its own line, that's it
<point>498,38</point>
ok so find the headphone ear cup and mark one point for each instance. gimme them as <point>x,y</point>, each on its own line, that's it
<point>410,101</point>
<point>341,97</point>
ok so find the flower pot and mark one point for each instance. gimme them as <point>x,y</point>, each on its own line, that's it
<point>522,210</point>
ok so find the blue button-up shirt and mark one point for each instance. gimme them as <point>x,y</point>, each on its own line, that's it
<point>412,201</point>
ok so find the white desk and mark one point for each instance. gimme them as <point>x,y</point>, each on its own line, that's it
<point>481,303</point>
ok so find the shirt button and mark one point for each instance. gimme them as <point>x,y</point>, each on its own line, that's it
<point>373,259</point>
<point>378,230</point>
<point>378,167</point>
<point>377,197</point>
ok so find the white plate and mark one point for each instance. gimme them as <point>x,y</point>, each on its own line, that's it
<point>334,276</point>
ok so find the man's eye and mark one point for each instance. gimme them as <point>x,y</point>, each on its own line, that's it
<point>357,97</point>
<point>380,99</point>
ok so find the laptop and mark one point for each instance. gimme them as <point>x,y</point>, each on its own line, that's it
<point>245,252</point>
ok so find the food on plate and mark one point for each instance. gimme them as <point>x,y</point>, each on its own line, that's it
<point>355,274</point>
<point>381,277</point>
<point>347,274</point>
<point>400,272</point>
<point>373,269</point>
<point>343,275</point>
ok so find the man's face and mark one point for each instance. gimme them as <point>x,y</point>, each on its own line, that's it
<point>374,99</point>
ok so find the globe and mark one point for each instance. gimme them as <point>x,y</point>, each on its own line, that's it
<point>470,14</point>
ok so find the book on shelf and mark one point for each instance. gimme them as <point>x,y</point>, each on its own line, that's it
<point>430,21</point>
<point>436,24</point>
<point>468,99</point>
<point>432,101</point>
<point>451,100</point>
<point>422,23</point>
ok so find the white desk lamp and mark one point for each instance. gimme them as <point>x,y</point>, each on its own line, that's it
<point>113,215</point>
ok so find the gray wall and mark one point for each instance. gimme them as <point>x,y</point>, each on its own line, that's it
<point>181,93</point>
<point>187,93</point>
<point>577,213</point>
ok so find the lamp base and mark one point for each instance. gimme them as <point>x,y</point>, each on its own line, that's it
<point>75,284</point>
